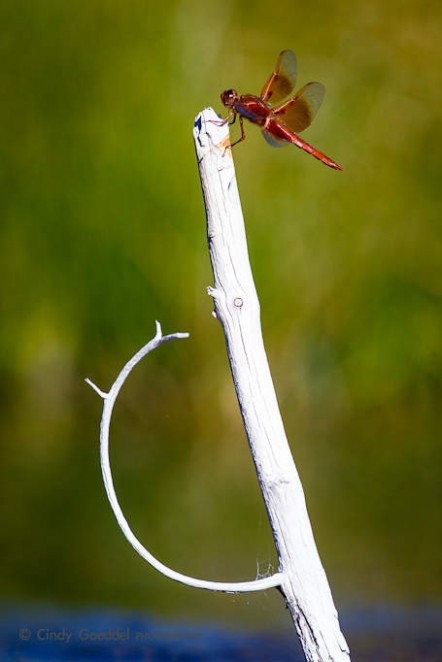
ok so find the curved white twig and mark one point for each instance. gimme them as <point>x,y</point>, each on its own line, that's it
<point>109,401</point>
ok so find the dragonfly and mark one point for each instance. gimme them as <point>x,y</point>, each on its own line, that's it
<point>280,113</point>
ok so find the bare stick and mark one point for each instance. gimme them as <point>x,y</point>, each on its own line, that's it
<point>304,583</point>
<point>109,402</point>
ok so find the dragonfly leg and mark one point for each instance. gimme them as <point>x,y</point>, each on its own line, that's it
<point>221,122</point>
<point>243,134</point>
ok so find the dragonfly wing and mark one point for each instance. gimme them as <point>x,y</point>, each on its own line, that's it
<point>273,140</point>
<point>298,112</point>
<point>282,80</point>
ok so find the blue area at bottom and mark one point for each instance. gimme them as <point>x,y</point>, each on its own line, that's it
<point>383,634</point>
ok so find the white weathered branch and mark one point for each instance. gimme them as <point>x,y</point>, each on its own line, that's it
<point>109,402</point>
<point>304,583</point>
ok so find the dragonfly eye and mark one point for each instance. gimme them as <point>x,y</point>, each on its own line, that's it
<point>228,97</point>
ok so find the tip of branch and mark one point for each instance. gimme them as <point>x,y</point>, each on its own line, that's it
<point>159,333</point>
<point>203,116</point>
<point>101,393</point>
<point>209,132</point>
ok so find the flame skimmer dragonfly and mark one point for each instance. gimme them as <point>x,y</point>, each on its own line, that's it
<point>292,114</point>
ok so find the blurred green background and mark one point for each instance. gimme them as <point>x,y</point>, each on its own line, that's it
<point>103,231</point>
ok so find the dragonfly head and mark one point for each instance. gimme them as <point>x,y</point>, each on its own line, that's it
<point>229,98</point>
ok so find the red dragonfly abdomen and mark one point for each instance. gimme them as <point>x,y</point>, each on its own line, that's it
<point>279,130</point>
